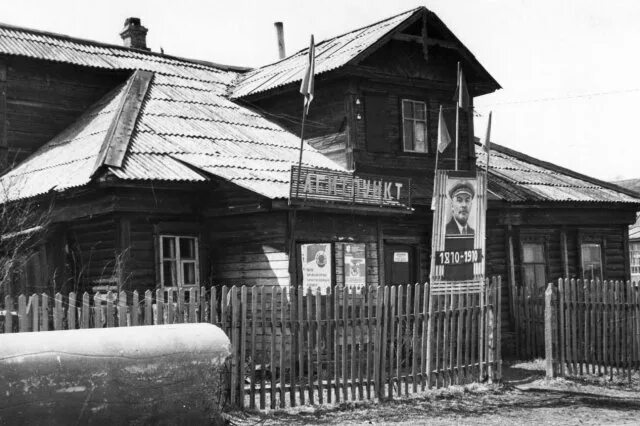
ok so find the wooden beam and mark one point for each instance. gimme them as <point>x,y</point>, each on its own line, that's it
<point>565,252</point>
<point>425,39</point>
<point>124,247</point>
<point>408,37</point>
<point>447,44</point>
<point>119,133</point>
<point>350,114</point>
<point>380,244</point>
<point>511,271</point>
<point>341,208</point>
<point>627,258</point>
<point>4,143</point>
<point>375,75</point>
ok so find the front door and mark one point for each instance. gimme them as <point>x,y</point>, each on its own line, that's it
<point>399,264</point>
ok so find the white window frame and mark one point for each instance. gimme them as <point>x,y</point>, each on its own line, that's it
<point>634,254</point>
<point>541,284</point>
<point>415,120</point>
<point>179,262</point>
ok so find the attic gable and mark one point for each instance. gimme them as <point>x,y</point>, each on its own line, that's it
<point>361,48</point>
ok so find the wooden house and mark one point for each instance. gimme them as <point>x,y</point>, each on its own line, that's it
<point>634,232</point>
<point>167,172</point>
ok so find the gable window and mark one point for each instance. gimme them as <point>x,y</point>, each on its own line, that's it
<point>591,261</point>
<point>414,122</point>
<point>179,264</point>
<point>534,266</point>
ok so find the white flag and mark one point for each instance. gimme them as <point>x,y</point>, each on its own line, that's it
<point>443,134</point>
<point>307,86</point>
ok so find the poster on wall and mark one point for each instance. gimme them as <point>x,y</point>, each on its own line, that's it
<point>458,242</point>
<point>316,267</point>
<point>355,266</point>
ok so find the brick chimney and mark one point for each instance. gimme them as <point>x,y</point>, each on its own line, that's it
<point>134,34</point>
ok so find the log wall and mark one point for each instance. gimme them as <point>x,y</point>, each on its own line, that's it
<point>43,98</point>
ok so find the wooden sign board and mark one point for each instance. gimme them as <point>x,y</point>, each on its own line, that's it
<point>348,188</point>
<point>458,237</point>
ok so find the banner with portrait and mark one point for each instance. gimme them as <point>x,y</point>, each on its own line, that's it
<point>458,237</point>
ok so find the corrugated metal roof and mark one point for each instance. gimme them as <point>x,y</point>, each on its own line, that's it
<point>515,178</point>
<point>59,48</point>
<point>330,54</point>
<point>187,129</point>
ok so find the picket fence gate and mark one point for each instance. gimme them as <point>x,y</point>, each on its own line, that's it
<point>292,348</point>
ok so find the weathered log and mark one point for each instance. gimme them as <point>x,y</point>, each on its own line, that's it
<point>169,374</point>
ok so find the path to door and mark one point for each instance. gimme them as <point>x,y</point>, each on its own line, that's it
<point>525,399</point>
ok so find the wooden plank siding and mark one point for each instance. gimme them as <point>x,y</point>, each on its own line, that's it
<point>92,244</point>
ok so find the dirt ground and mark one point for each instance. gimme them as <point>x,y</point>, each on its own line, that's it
<point>525,398</point>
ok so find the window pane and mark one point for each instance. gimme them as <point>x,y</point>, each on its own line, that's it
<point>407,109</point>
<point>187,248</point>
<point>420,144</point>
<point>189,273</point>
<point>419,111</point>
<point>532,253</point>
<point>591,253</point>
<point>168,247</point>
<point>591,262</point>
<point>169,272</point>
<point>408,135</point>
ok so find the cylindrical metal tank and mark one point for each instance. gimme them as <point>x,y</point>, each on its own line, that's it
<point>167,374</point>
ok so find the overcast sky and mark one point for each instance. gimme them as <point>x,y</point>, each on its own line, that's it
<point>568,68</point>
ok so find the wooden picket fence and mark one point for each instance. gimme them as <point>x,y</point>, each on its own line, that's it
<point>528,319</point>
<point>592,328</point>
<point>292,348</point>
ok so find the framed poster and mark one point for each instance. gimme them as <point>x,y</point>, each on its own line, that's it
<point>316,267</point>
<point>458,242</point>
<point>355,266</point>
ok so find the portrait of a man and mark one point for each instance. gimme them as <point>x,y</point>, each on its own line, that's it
<point>461,196</point>
<point>459,231</point>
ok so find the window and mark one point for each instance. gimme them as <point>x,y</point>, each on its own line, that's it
<point>634,251</point>
<point>591,261</point>
<point>414,121</point>
<point>534,266</point>
<point>179,261</point>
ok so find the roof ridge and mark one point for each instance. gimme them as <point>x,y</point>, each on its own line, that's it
<point>541,163</point>
<point>78,40</point>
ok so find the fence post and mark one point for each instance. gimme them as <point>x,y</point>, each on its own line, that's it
<point>549,323</point>
<point>8,319</point>
<point>491,335</point>
<point>561,329</point>
<point>499,329</point>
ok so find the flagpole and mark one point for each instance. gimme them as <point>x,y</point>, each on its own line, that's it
<point>304,117</point>
<point>458,115</point>
<point>435,171</point>
<point>306,89</point>
<point>487,147</point>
